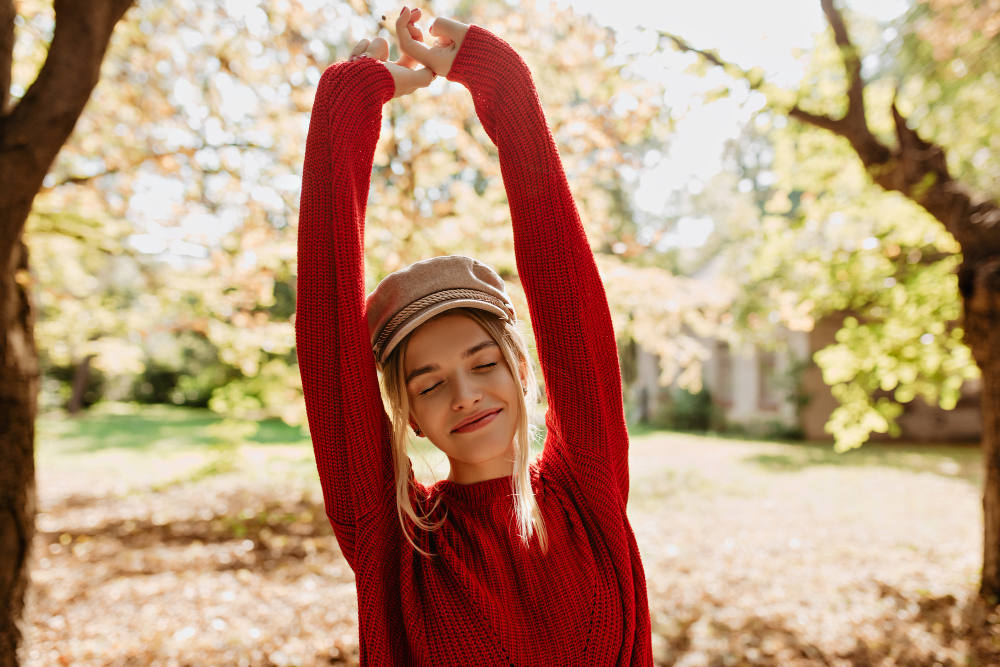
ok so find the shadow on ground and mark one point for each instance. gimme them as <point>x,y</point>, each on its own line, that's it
<point>961,461</point>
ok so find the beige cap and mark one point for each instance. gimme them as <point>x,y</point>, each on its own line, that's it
<point>409,297</point>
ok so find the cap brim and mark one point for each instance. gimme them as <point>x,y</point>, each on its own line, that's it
<point>429,312</point>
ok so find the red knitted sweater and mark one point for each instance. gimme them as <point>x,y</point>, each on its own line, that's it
<point>482,599</point>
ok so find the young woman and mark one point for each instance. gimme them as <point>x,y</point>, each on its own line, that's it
<point>504,562</point>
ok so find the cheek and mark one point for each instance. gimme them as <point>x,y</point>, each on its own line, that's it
<point>430,412</point>
<point>505,389</point>
<point>508,388</point>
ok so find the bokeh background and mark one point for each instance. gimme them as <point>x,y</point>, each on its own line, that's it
<point>775,311</point>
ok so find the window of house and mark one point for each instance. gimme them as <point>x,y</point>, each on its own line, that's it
<point>723,374</point>
<point>768,394</point>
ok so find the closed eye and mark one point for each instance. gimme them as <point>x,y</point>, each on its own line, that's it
<point>484,367</point>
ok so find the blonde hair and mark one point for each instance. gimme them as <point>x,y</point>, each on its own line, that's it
<point>392,382</point>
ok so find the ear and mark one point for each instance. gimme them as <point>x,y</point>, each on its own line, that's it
<point>416,429</point>
<point>522,371</point>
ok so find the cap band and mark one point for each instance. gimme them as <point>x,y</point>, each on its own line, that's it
<point>429,300</point>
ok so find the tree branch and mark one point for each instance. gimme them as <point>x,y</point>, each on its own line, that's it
<point>710,56</point>
<point>852,63</point>
<point>837,126</point>
<point>757,82</point>
<point>854,127</point>
<point>32,134</point>
<point>916,168</point>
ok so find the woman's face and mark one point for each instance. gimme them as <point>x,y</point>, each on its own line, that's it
<point>462,396</point>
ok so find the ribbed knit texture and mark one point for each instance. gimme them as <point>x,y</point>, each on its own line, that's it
<point>482,599</point>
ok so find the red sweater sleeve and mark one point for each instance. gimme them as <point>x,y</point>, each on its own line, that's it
<point>569,309</point>
<point>347,423</point>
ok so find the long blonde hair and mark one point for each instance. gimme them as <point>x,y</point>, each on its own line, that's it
<point>515,353</point>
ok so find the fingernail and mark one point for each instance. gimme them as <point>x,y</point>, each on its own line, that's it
<point>401,13</point>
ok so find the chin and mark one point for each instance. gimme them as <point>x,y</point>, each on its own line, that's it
<point>487,447</point>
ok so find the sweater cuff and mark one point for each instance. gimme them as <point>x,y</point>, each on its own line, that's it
<point>482,60</point>
<point>365,84</point>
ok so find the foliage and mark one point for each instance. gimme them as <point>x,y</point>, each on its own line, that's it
<point>88,294</point>
<point>946,58</point>
<point>185,168</point>
<point>827,241</point>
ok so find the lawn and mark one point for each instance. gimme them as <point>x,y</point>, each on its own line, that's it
<point>755,552</point>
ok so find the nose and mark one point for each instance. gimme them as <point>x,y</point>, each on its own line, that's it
<point>466,392</point>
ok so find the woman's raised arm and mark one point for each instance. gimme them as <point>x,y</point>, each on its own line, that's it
<point>348,425</point>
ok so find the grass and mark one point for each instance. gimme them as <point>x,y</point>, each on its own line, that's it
<point>132,427</point>
<point>169,431</point>
<point>963,461</point>
<point>130,448</point>
<point>124,448</point>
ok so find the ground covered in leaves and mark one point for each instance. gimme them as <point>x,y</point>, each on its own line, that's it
<point>755,553</point>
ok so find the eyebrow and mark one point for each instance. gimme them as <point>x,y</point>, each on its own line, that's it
<point>430,368</point>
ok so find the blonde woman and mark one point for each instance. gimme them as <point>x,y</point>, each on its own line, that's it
<point>507,561</point>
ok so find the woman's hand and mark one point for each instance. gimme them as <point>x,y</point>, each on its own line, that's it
<point>448,36</point>
<point>404,74</point>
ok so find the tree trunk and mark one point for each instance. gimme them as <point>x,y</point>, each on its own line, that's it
<point>81,376</point>
<point>18,405</point>
<point>980,287</point>
<point>990,404</point>
<point>32,132</point>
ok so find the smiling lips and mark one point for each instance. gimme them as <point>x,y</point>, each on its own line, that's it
<point>477,421</point>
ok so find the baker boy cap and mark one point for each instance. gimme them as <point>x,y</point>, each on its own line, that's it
<point>409,297</point>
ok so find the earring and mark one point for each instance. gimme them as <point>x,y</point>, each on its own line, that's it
<point>417,432</point>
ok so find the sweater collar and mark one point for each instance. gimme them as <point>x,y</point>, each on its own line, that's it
<point>478,494</point>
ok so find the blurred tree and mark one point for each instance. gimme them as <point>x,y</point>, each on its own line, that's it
<point>901,255</point>
<point>90,293</point>
<point>33,129</point>
<point>203,164</point>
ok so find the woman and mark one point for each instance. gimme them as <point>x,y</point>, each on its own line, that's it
<point>502,563</point>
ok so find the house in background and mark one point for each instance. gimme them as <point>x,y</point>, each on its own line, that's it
<point>754,388</point>
<point>778,391</point>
